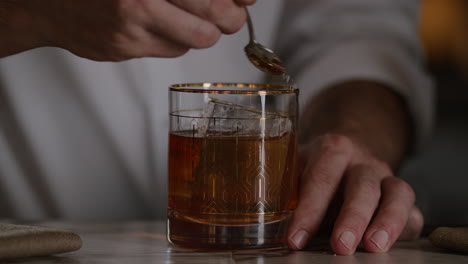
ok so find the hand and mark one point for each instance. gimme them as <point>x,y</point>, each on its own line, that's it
<point>115,30</point>
<point>376,206</point>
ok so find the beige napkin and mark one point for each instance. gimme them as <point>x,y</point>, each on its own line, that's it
<point>453,238</point>
<point>19,241</point>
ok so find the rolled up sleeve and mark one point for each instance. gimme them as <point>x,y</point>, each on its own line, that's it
<point>326,42</point>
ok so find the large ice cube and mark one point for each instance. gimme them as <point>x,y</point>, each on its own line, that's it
<point>225,118</point>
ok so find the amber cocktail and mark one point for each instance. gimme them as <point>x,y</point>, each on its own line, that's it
<point>232,156</point>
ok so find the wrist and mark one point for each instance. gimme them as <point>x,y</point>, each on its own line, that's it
<point>371,115</point>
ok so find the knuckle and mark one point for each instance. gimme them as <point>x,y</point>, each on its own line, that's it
<point>227,16</point>
<point>402,187</point>
<point>235,25</point>
<point>205,36</point>
<point>364,177</point>
<point>371,189</point>
<point>336,143</point>
<point>355,218</point>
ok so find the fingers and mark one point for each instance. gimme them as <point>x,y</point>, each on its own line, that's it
<point>376,206</point>
<point>392,215</point>
<point>414,225</point>
<point>320,182</point>
<point>124,29</point>
<point>182,27</point>
<point>361,198</point>
<point>228,16</point>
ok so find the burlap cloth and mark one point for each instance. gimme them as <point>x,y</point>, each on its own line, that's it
<point>452,238</point>
<point>19,241</point>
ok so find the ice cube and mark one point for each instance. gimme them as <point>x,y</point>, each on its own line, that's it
<point>225,118</point>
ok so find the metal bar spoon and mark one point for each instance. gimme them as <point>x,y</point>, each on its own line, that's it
<point>260,56</point>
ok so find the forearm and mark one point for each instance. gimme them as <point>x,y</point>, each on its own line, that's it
<point>367,112</point>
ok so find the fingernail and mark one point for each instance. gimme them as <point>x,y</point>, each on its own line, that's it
<point>380,239</point>
<point>300,238</point>
<point>347,239</point>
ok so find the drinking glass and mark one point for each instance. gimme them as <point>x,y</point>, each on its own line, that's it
<point>232,182</point>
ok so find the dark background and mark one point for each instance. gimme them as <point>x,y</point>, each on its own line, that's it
<point>438,173</point>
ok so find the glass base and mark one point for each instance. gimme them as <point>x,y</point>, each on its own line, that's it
<point>184,233</point>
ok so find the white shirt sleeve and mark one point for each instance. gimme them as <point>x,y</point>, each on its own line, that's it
<point>325,42</point>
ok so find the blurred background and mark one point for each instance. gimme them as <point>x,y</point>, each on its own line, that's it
<point>438,174</point>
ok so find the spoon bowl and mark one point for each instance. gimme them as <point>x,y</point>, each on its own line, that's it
<point>260,56</point>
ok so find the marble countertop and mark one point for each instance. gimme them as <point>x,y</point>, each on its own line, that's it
<point>145,242</point>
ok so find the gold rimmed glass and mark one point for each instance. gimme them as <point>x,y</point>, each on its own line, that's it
<point>232,182</point>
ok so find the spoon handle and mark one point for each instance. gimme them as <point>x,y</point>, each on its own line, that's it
<point>250,26</point>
